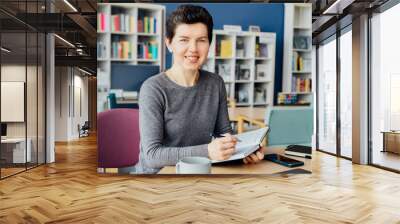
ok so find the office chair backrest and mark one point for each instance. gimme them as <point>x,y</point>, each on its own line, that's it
<point>118,138</point>
<point>86,125</point>
<point>289,126</point>
<point>113,100</point>
<point>114,105</point>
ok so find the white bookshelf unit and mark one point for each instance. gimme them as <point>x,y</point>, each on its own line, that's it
<point>129,33</point>
<point>246,62</point>
<point>297,84</point>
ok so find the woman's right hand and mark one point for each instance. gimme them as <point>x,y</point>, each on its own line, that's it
<point>222,148</point>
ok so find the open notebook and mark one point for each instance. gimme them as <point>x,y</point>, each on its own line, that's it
<point>249,142</point>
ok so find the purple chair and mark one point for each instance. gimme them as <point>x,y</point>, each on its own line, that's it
<point>118,138</point>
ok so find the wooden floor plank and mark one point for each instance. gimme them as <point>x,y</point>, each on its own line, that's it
<point>71,191</point>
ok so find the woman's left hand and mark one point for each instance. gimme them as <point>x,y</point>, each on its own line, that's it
<point>255,157</point>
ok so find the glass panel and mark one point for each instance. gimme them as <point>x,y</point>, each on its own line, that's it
<point>13,87</point>
<point>346,94</point>
<point>23,82</point>
<point>327,97</point>
<point>41,99</point>
<point>31,101</point>
<point>32,85</point>
<point>386,89</point>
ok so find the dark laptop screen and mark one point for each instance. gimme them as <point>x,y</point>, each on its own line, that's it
<point>3,129</point>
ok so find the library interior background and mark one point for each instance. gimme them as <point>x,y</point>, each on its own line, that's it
<point>274,66</point>
<point>272,59</point>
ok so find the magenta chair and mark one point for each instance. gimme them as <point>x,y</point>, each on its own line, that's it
<point>118,138</point>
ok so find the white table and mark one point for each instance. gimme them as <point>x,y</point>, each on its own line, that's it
<point>18,149</point>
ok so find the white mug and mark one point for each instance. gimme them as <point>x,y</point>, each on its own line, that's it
<point>193,165</point>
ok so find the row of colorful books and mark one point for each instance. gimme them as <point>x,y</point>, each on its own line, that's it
<point>224,49</point>
<point>287,98</point>
<point>148,50</point>
<point>147,24</point>
<point>102,22</point>
<point>121,49</point>
<point>125,23</point>
<point>301,84</point>
<point>122,23</point>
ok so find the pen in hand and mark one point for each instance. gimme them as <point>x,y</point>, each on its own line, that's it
<point>221,136</point>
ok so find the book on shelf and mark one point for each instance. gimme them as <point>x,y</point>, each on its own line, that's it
<point>261,50</point>
<point>131,24</point>
<point>299,150</point>
<point>224,48</point>
<point>301,84</point>
<point>122,23</point>
<point>140,25</point>
<point>147,24</point>
<point>261,72</point>
<point>102,22</point>
<point>121,49</point>
<point>242,72</point>
<point>224,70</point>
<point>260,94</point>
<point>148,50</point>
<point>240,49</point>
<point>300,64</point>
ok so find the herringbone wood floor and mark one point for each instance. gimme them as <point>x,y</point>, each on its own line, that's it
<point>70,191</point>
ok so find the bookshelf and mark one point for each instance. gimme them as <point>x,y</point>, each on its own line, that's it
<point>297,85</point>
<point>129,33</point>
<point>246,62</point>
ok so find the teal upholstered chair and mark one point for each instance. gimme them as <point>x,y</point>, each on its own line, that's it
<point>114,105</point>
<point>289,126</point>
<point>112,101</point>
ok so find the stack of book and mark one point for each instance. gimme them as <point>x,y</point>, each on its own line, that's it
<point>122,23</point>
<point>147,24</point>
<point>148,50</point>
<point>299,150</point>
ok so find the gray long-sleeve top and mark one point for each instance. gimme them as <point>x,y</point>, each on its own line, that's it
<point>177,121</point>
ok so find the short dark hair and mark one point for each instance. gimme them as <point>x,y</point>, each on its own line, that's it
<point>189,14</point>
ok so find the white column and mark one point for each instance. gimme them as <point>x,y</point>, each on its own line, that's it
<point>360,90</point>
<point>50,99</point>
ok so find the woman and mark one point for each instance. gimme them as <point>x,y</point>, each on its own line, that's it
<point>182,106</point>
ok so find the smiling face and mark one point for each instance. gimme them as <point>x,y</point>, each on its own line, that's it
<point>189,46</point>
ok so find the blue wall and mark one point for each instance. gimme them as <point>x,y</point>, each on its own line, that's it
<point>269,17</point>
